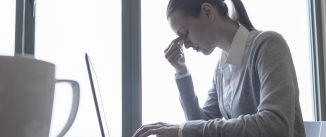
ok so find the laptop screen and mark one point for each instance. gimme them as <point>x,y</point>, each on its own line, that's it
<point>97,97</point>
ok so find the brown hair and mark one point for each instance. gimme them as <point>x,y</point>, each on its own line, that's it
<point>193,8</point>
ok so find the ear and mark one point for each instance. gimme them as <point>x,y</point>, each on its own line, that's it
<point>208,10</point>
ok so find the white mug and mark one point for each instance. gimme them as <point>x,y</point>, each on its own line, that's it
<point>27,87</point>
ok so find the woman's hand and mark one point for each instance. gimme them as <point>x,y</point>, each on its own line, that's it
<point>174,54</point>
<point>159,129</point>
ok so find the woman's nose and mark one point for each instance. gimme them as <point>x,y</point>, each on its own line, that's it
<point>186,45</point>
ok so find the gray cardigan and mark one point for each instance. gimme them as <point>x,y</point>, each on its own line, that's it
<point>264,100</point>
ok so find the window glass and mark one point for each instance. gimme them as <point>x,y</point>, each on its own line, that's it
<point>65,30</point>
<point>293,24</point>
<point>7,27</point>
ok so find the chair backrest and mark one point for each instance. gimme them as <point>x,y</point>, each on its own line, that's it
<point>315,128</point>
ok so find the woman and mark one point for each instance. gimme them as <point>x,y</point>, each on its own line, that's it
<point>254,92</point>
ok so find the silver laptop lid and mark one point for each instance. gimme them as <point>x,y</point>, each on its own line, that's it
<point>97,97</point>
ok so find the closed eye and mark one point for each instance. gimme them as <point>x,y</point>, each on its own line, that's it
<point>186,34</point>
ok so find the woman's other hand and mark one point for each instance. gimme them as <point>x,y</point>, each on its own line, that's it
<point>159,129</point>
<point>174,54</point>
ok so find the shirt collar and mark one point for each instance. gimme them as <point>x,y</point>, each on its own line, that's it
<point>236,51</point>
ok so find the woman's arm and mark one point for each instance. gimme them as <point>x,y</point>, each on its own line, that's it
<point>189,101</point>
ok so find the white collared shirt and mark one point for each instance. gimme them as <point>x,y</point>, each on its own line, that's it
<point>230,64</point>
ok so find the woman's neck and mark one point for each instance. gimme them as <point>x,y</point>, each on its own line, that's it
<point>228,30</point>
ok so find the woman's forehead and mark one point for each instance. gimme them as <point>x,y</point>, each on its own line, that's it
<point>177,20</point>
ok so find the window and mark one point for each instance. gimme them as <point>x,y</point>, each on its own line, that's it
<point>65,30</point>
<point>7,26</point>
<point>159,91</point>
<point>160,95</point>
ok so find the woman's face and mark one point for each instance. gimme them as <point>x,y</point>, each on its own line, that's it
<point>196,31</point>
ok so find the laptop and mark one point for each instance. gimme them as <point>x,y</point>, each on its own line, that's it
<point>97,97</point>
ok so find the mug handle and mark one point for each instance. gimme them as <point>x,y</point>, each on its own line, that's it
<point>74,106</point>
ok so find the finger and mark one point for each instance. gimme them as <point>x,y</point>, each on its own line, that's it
<point>168,47</point>
<point>157,131</point>
<point>175,55</point>
<point>158,123</point>
<point>144,129</point>
<point>173,51</point>
<point>175,43</point>
<point>174,60</point>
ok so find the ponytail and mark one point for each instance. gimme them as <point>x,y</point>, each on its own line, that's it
<point>240,14</point>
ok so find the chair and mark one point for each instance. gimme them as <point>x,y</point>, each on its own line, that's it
<point>315,128</point>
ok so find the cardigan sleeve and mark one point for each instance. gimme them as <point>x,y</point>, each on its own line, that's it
<point>189,101</point>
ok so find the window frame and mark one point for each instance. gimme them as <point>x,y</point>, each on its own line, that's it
<point>317,58</point>
<point>25,27</point>
<point>131,67</point>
